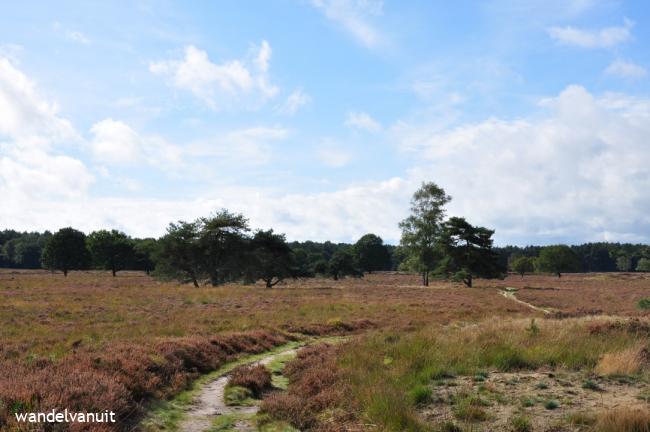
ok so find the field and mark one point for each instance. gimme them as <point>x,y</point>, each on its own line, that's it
<point>420,358</point>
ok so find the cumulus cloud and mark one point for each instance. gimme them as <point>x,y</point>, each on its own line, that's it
<point>115,142</point>
<point>575,172</point>
<point>353,16</point>
<point>296,100</point>
<point>30,131</point>
<point>626,69</point>
<point>603,38</point>
<point>223,85</point>
<point>362,120</point>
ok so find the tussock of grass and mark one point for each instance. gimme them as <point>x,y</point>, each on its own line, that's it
<point>521,424</point>
<point>629,361</point>
<point>624,420</point>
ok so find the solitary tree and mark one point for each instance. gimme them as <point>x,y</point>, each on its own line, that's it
<point>372,254</point>
<point>272,258</point>
<point>146,251</point>
<point>111,250</point>
<point>624,263</point>
<point>66,250</point>
<point>523,265</point>
<point>558,259</point>
<point>421,229</point>
<point>467,251</point>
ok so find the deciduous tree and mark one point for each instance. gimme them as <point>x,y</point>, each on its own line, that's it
<point>558,259</point>
<point>66,250</point>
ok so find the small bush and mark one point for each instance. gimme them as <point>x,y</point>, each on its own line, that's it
<point>551,404</point>
<point>591,385</point>
<point>255,378</point>
<point>521,424</point>
<point>420,394</point>
<point>644,303</point>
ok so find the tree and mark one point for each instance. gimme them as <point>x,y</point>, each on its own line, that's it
<point>343,264</point>
<point>558,259</point>
<point>146,252</point>
<point>467,251</point>
<point>523,265</point>
<point>643,265</point>
<point>111,250</point>
<point>421,229</point>
<point>371,253</point>
<point>272,257</point>
<point>223,238</point>
<point>624,263</point>
<point>181,254</point>
<point>66,250</point>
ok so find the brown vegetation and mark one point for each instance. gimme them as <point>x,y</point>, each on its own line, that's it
<point>255,378</point>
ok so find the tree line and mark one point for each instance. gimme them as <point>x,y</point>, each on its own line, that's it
<point>223,248</point>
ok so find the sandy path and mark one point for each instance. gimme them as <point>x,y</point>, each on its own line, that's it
<point>210,403</point>
<point>511,295</point>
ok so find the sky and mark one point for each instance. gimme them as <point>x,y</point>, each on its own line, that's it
<point>320,118</point>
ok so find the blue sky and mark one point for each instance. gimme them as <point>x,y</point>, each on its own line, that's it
<point>321,117</point>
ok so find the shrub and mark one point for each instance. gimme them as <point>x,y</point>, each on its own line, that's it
<point>255,378</point>
<point>521,424</point>
<point>551,404</point>
<point>644,303</point>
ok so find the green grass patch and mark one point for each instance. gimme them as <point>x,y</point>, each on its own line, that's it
<point>521,423</point>
<point>238,396</point>
<point>644,303</point>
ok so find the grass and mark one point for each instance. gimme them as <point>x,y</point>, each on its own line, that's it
<point>521,423</point>
<point>644,303</point>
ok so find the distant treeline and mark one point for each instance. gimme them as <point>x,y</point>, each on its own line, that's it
<point>24,250</point>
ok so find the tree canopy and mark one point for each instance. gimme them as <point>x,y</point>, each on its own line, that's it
<point>372,254</point>
<point>66,250</point>
<point>558,259</point>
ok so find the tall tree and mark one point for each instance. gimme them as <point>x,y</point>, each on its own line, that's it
<point>272,258</point>
<point>467,252</point>
<point>421,229</point>
<point>643,265</point>
<point>66,250</point>
<point>146,252</point>
<point>372,254</point>
<point>558,259</point>
<point>111,250</point>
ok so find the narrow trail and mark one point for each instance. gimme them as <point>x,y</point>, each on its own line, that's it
<point>509,293</point>
<point>210,403</point>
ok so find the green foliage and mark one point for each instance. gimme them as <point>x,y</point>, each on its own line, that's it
<point>371,254</point>
<point>110,250</point>
<point>558,259</point>
<point>421,229</point>
<point>551,404</point>
<point>343,264</point>
<point>644,303</point>
<point>624,263</point>
<point>420,394</point>
<point>523,265</point>
<point>467,251</point>
<point>643,265</point>
<point>66,250</point>
<point>272,259</point>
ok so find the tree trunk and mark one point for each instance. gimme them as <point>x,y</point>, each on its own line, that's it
<point>559,274</point>
<point>147,272</point>
<point>65,272</point>
<point>195,282</point>
<point>468,281</point>
<point>336,276</point>
<point>268,283</point>
<point>114,271</point>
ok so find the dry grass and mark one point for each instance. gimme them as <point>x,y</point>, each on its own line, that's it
<point>627,362</point>
<point>624,420</point>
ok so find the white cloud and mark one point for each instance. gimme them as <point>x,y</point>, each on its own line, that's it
<point>604,38</point>
<point>294,102</point>
<point>220,85</point>
<point>354,16</point>
<point>626,69</point>
<point>362,120</point>
<point>578,172</point>
<point>30,132</point>
<point>115,142</point>
<point>333,155</point>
